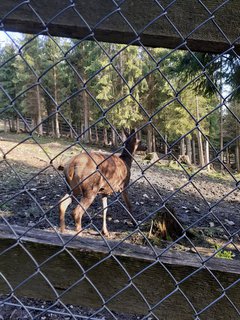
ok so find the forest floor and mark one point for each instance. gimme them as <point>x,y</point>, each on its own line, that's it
<point>26,165</point>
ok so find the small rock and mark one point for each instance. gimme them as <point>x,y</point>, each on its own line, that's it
<point>116,221</point>
<point>43,198</point>
<point>128,223</point>
<point>196,209</point>
<point>24,214</point>
<point>109,218</point>
<point>137,203</point>
<point>33,189</point>
<point>229,222</point>
<point>31,224</point>
<point>141,202</point>
<point>184,207</point>
<point>145,195</point>
<point>43,318</point>
<point>211,224</point>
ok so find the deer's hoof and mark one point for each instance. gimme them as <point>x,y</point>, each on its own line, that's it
<point>105,233</point>
<point>78,229</point>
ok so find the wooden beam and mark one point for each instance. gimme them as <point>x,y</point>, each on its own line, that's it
<point>62,259</point>
<point>192,23</point>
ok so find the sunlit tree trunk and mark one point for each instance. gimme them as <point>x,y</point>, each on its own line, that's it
<point>189,148</point>
<point>86,117</point>
<point>105,136</point>
<point>182,147</point>
<point>194,159</point>
<point>207,156</point>
<point>165,145</point>
<point>96,135</point>
<point>57,130</point>
<point>150,138</point>
<point>237,155</point>
<point>39,112</point>
<point>199,138</point>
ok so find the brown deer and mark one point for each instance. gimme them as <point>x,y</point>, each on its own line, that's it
<point>96,173</point>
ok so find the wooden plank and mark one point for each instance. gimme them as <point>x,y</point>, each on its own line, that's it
<point>193,22</point>
<point>105,270</point>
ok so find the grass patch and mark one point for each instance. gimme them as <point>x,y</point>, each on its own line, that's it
<point>223,254</point>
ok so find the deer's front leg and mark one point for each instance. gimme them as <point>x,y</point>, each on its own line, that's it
<point>128,205</point>
<point>104,227</point>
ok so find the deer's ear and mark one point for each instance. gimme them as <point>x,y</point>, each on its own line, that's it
<point>125,132</point>
<point>132,132</point>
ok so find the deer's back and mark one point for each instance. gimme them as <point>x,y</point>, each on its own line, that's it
<point>99,172</point>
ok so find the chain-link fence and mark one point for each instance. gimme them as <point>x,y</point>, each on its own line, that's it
<point>154,232</point>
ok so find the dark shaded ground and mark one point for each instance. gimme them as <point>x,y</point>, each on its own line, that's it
<point>57,312</point>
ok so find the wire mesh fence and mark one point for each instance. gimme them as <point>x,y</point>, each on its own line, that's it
<point>159,203</point>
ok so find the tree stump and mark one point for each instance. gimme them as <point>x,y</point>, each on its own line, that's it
<point>165,225</point>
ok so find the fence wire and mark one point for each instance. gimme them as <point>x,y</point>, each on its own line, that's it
<point>32,187</point>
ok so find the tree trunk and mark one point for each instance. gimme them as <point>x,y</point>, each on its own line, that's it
<point>57,130</point>
<point>13,125</point>
<point>237,155</point>
<point>71,132</point>
<point>149,139</point>
<point>86,115</point>
<point>17,125</point>
<point>207,157</point>
<point>189,148</point>
<point>96,135</point>
<point>199,137</point>
<point>221,136</point>
<point>5,125</point>
<point>200,149</point>
<point>39,113</point>
<point>182,147</point>
<point>227,157</point>
<point>90,135</point>
<point>165,145</point>
<point>114,139</point>
<point>105,137</point>
<point>154,141</point>
<point>194,151</point>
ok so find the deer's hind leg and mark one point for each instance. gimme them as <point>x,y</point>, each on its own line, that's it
<point>63,204</point>
<point>84,204</point>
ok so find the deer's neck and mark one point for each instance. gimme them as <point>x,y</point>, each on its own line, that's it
<point>127,157</point>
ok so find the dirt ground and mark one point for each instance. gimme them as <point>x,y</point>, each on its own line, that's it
<point>30,189</point>
<point>26,165</point>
